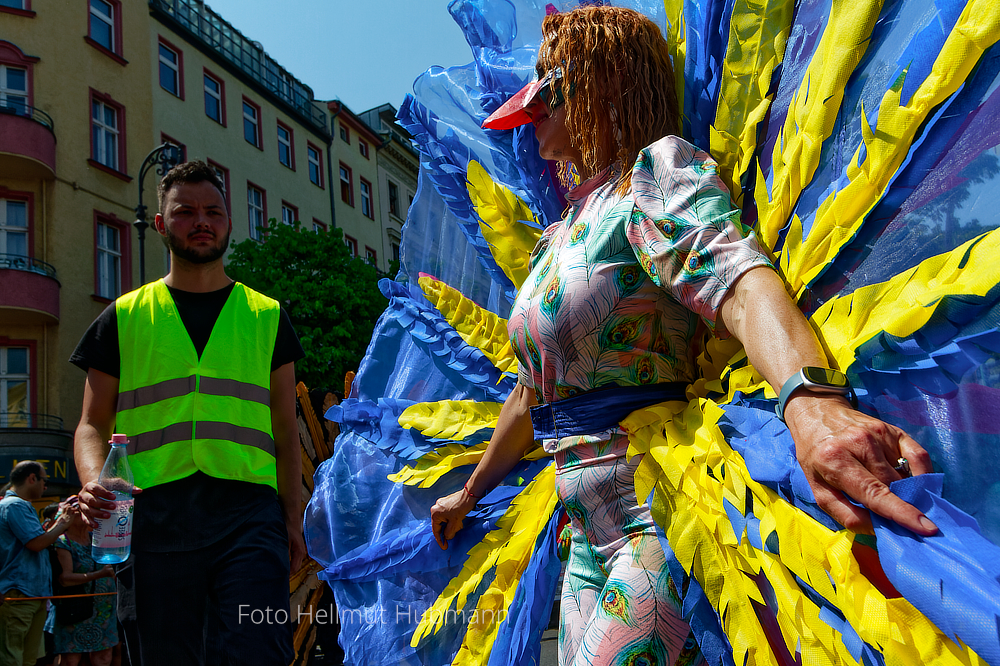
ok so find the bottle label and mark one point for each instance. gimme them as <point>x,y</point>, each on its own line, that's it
<point>116,531</point>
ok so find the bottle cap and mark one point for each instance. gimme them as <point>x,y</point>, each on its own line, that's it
<point>121,440</point>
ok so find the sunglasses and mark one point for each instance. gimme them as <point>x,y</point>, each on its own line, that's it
<point>550,95</point>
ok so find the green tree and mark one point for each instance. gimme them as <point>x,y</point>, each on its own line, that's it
<point>331,297</point>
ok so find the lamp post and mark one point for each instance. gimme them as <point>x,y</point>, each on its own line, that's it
<point>164,157</point>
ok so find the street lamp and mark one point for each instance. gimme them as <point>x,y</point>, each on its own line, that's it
<point>164,157</point>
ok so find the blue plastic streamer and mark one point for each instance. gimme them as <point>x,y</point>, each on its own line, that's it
<point>952,577</point>
<point>518,641</point>
<point>427,326</point>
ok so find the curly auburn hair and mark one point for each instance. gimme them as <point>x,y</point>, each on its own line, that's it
<point>617,78</point>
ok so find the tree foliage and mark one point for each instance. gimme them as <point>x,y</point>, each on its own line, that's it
<point>331,297</point>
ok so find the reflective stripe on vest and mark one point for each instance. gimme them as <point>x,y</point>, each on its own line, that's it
<point>183,414</point>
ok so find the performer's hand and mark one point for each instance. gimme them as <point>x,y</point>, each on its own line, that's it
<point>447,515</point>
<point>844,452</point>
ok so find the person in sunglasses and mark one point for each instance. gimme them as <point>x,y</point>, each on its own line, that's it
<point>651,252</point>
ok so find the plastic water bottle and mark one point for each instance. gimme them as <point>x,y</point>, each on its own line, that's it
<point>111,541</point>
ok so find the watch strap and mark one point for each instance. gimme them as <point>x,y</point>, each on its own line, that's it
<point>800,381</point>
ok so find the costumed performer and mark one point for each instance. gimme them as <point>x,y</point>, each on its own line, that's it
<point>651,249</point>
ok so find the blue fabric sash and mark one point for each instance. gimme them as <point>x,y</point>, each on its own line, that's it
<point>598,410</point>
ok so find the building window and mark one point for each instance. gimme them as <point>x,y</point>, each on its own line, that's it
<point>346,184</point>
<point>289,214</point>
<point>164,138</point>
<point>393,198</point>
<point>105,28</point>
<point>318,226</point>
<point>13,228</point>
<point>215,99</point>
<point>352,245</point>
<point>107,132</point>
<point>109,261</point>
<point>251,123</point>
<point>315,158</point>
<point>223,174</point>
<point>366,199</point>
<point>15,377</point>
<point>171,69</point>
<point>370,256</point>
<point>363,148</point>
<point>14,89</point>
<point>102,23</point>
<point>345,133</point>
<point>256,211</point>
<point>286,152</point>
<point>395,252</point>
<point>13,4</point>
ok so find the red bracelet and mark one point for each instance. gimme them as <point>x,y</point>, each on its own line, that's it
<point>466,488</point>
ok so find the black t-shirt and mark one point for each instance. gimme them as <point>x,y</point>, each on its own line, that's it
<point>197,510</point>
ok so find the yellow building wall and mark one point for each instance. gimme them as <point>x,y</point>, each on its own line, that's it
<point>64,234</point>
<point>184,120</point>
<point>351,219</point>
<point>391,170</point>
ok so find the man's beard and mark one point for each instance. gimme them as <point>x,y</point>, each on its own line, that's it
<point>196,255</point>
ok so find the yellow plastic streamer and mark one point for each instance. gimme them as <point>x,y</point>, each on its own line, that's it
<point>428,469</point>
<point>500,214</point>
<point>498,561</point>
<point>905,303</point>
<point>450,419</point>
<point>693,469</point>
<point>757,35</point>
<point>813,111</point>
<point>677,43</point>
<point>479,327</point>
<point>841,215</point>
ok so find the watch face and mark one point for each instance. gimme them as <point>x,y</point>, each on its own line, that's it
<point>826,377</point>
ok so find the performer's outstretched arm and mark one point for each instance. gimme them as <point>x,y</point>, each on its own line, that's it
<point>842,451</point>
<point>511,438</point>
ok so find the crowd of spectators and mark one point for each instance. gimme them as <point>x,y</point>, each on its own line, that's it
<point>58,603</point>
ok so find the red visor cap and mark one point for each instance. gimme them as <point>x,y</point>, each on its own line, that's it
<point>513,114</point>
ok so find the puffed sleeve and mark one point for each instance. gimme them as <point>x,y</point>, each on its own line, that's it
<point>684,229</point>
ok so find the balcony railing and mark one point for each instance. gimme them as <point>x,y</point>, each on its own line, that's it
<point>30,420</point>
<point>218,34</point>
<point>39,116</point>
<point>19,262</point>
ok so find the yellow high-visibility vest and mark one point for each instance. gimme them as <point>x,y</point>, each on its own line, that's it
<point>183,414</point>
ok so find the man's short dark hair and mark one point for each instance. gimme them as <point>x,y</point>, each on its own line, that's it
<point>24,469</point>
<point>191,172</point>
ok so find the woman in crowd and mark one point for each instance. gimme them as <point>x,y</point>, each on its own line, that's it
<point>98,634</point>
<point>651,250</point>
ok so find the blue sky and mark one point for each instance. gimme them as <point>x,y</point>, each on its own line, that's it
<point>363,52</point>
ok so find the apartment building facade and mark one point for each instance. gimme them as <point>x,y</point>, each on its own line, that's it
<point>354,151</point>
<point>398,168</point>
<point>74,128</point>
<point>224,100</point>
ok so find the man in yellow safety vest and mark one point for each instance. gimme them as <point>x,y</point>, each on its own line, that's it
<point>198,372</point>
